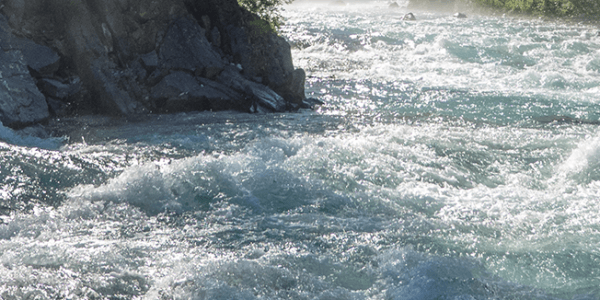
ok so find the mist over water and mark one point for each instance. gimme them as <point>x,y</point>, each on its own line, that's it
<point>452,159</point>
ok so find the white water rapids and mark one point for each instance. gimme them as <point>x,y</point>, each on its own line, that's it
<point>452,159</point>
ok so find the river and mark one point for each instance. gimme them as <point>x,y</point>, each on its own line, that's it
<point>452,159</point>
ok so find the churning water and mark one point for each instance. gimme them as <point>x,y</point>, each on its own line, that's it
<point>452,159</point>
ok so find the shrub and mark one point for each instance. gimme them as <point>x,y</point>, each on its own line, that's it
<point>268,10</point>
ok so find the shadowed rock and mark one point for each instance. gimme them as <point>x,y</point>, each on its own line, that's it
<point>21,103</point>
<point>180,91</point>
<point>137,56</point>
<point>260,96</point>
<point>185,47</point>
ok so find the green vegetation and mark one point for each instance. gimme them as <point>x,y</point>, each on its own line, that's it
<point>562,8</point>
<point>268,10</point>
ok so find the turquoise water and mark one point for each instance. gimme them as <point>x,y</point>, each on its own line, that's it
<point>452,159</point>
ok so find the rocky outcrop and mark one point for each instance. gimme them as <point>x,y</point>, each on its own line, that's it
<point>129,57</point>
<point>21,102</point>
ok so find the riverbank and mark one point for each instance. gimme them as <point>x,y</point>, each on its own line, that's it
<point>567,10</point>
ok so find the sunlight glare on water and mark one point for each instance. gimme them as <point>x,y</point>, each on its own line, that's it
<point>452,159</point>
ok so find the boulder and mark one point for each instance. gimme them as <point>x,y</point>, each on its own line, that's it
<point>409,17</point>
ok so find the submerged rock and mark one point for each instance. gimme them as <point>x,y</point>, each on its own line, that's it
<point>394,5</point>
<point>460,15</point>
<point>409,17</point>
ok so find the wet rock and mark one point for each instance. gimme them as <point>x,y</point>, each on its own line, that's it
<point>180,92</point>
<point>261,97</point>
<point>34,131</point>
<point>394,5</point>
<point>310,103</point>
<point>460,15</point>
<point>223,97</point>
<point>409,17</point>
<point>267,56</point>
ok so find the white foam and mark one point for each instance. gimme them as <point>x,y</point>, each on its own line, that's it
<point>9,136</point>
<point>583,164</point>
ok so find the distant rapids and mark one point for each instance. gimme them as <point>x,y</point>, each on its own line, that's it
<point>452,159</point>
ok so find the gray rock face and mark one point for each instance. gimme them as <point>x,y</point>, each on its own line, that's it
<point>137,56</point>
<point>266,58</point>
<point>110,84</point>
<point>21,103</point>
<point>185,47</point>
